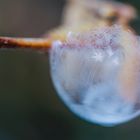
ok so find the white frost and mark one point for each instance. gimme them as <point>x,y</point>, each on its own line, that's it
<point>87,77</point>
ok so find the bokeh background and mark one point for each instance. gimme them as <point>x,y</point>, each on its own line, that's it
<point>29,106</point>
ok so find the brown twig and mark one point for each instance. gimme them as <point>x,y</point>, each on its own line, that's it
<point>28,43</point>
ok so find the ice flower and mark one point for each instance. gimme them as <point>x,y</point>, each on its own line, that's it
<point>97,74</point>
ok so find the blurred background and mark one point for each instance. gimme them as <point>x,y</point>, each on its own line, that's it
<point>29,106</point>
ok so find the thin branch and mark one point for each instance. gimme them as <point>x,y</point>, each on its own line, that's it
<point>28,43</point>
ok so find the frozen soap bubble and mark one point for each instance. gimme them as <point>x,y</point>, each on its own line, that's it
<point>97,74</point>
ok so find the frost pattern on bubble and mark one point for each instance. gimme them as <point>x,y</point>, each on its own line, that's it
<point>97,74</point>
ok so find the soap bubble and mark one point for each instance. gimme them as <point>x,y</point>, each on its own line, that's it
<point>97,74</point>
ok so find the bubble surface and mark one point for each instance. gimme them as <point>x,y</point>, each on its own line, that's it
<point>97,74</point>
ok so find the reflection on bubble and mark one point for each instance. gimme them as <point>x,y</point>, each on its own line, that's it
<point>97,75</point>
